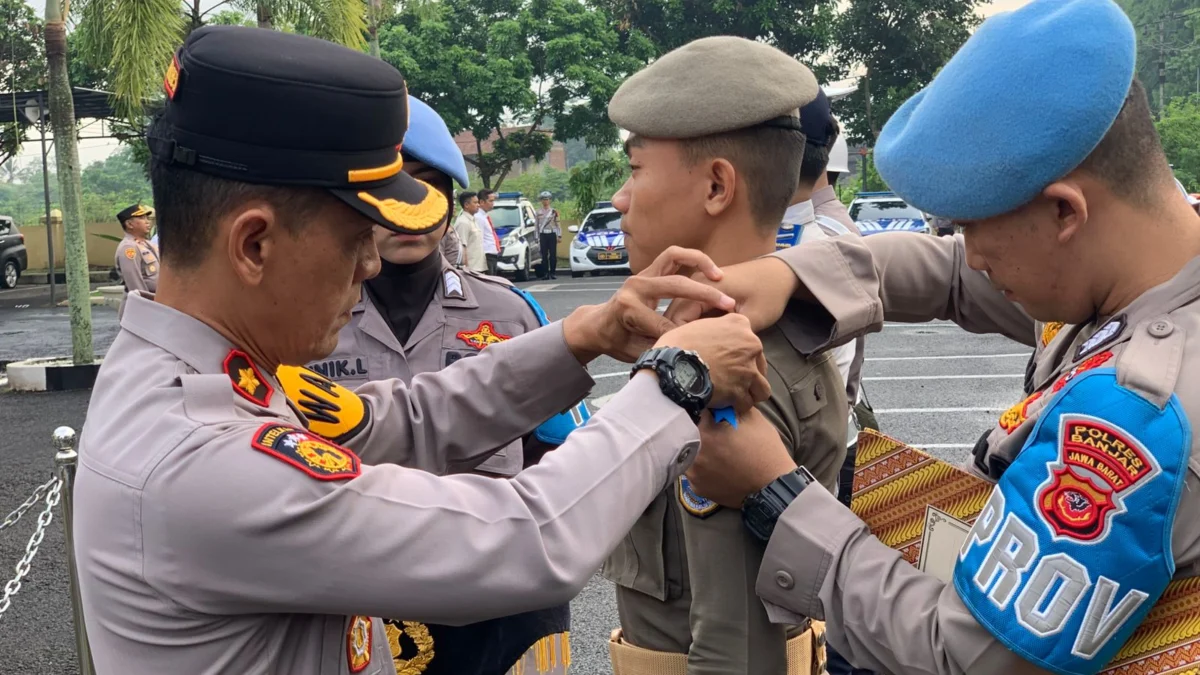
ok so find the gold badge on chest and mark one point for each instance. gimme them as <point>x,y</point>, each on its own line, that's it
<point>400,634</point>
<point>358,644</point>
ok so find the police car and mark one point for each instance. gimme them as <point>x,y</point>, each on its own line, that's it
<point>599,244</point>
<point>516,224</point>
<point>875,212</point>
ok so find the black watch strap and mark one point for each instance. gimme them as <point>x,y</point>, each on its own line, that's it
<point>658,360</point>
<point>762,510</point>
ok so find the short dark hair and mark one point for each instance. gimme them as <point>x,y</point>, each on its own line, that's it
<point>464,197</point>
<point>816,158</point>
<point>189,204</point>
<point>768,158</point>
<point>1130,159</point>
<point>485,193</point>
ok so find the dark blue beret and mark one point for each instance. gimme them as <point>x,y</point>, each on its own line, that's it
<point>1022,103</point>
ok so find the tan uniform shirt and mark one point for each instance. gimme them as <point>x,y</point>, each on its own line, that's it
<point>215,535</point>
<point>826,203</point>
<point>880,611</point>
<point>467,313</point>
<point>472,242</point>
<point>137,261</point>
<point>685,574</point>
<point>451,247</point>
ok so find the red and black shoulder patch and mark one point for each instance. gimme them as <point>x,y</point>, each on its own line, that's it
<point>247,379</point>
<point>315,456</point>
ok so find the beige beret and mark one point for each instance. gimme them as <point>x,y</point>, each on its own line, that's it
<point>709,86</point>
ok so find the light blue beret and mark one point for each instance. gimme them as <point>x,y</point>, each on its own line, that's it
<point>429,140</point>
<point>1022,103</point>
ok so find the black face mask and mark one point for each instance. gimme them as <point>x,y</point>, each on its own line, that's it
<point>403,292</point>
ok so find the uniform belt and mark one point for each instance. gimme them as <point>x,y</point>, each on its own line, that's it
<point>805,655</point>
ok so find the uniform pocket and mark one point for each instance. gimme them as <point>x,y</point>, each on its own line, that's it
<point>639,561</point>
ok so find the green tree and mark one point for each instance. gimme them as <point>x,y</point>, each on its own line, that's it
<point>133,40</point>
<point>1180,132</point>
<point>502,69</point>
<point>597,180</point>
<point>22,65</point>
<point>1167,31</point>
<point>802,28</point>
<point>899,45</point>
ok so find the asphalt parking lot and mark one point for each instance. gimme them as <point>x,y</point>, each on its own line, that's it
<point>932,385</point>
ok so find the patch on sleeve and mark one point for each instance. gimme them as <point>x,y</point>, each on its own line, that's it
<point>1074,545</point>
<point>698,506</point>
<point>247,379</point>
<point>308,452</point>
<point>543,319</point>
<point>332,410</point>
<point>358,643</point>
<point>1016,415</point>
<point>555,430</point>
<point>130,253</point>
<point>485,334</point>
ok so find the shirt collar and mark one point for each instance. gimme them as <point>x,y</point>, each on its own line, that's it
<point>187,338</point>
<point>824,195</point>
<point>800,214</point>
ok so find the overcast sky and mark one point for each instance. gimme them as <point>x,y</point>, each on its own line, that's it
<point>94,151</point>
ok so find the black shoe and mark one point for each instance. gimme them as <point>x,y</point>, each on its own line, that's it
<point>553,276</point>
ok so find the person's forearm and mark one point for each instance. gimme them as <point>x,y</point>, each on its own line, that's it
<point>458,415</point>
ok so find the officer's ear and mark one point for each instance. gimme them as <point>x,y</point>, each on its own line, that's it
<point>251,241</point>
<point>721,188</point>
<point>1068,207</point>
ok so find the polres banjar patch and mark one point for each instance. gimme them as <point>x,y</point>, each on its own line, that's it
<point>1073,547</point>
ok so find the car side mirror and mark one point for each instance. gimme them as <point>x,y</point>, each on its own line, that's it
<point>573,229</point>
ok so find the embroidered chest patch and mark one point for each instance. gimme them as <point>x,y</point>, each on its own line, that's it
<point>308,452</point>
<point>409,661</point>
<point>248,380</point>
<point>358,643</point>
<point>1050,331</point>
<point>1106,334</point>
<point>1092,362</point>
<point>698,506</point>
<point>485,334</point>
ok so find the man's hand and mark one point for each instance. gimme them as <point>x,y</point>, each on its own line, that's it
<point>629,323</point>
<point>761,287</point>
<point>735,463</point>
<point>734,356</point>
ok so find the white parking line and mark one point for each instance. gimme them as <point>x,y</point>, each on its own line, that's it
<point>949,356</point>
<point>916,411</point>
<point>902,378</point>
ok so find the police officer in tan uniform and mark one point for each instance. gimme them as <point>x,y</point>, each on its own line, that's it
<point>221,530</point>
<point>1072,219</point>
<point>420,315</point>
<point>137,257</point>
<point>685,574</point>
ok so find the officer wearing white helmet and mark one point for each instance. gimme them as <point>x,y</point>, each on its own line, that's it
<point>549,235</point>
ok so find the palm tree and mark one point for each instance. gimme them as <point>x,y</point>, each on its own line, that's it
<point>66,157</point>
<point>132,40</point>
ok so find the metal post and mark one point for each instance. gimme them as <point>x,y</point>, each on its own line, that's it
<point>64,464</point>
<point>42,122</point>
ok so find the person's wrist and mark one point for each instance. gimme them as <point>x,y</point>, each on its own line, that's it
<point>581,338</point>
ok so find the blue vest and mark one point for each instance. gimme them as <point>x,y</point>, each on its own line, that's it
<point>1074,546</point>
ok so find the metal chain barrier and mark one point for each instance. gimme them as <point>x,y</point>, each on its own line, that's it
<point>52,492</point>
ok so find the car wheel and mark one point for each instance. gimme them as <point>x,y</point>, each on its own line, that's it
<point>11,274</point>
<point>522,273</point>
<point>576,275</point>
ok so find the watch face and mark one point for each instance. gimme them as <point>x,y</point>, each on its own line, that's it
<point>688,375</point>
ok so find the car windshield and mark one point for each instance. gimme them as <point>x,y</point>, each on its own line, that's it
<point>881,210</point>
<point>609,220</point>
<point>505,217</point>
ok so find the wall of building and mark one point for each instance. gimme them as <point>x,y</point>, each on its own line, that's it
<point>101,251</point>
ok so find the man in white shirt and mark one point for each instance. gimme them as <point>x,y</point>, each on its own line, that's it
<point>467,230</point>
<point>487,231</point>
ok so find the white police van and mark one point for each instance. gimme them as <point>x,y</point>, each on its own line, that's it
<point>599,244</point>
<point>516,224</point>
<point>875,212</point>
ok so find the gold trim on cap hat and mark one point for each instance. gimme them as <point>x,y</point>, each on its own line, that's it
<point>429,211</point>
<point>378,172</point>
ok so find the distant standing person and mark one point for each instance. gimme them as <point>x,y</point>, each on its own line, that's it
<point>549,234</point>
<point>491,242</point>
<point>137,258</point>
<point>468,232</point>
